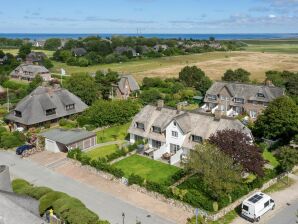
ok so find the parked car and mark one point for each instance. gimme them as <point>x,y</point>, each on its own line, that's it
<point>23,148</point>
<point>256,206</point>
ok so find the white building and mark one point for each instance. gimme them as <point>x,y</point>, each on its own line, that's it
<point>172,133</point>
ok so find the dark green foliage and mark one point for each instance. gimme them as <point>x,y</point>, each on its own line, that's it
<point>24,50</point>
<point>52,44</point>
<point>288,158</point>
<point>37,81</point>
<point>135,179</point>
<point>47,63</point>
<point>196,78</point>
<point>105,82</point>
<point>150,96</point>
<point>278,121</point>
<point>238,75</point>
<point>11,139</point>
<point>103,113</point>
<point>83,86</point>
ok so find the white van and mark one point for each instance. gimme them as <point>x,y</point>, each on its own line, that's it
<point>256,206</point>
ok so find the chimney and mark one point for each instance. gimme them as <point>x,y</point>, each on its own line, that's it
<point>160,104</point>
<point>217,115</point>
<point>179,107</point>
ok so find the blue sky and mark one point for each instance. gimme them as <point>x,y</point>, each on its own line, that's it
<point>149,16</point>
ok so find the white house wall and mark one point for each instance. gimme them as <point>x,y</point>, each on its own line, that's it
<point>51,146</point>
<point>174,140</point>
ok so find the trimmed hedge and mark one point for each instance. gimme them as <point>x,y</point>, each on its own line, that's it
<point>68,209</point>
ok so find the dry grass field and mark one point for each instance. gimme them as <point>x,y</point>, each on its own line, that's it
<point>214,64</point>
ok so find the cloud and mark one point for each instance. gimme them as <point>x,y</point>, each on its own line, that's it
<point>272,16</point>
<point>259,9</point>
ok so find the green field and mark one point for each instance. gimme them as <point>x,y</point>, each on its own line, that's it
<point>273,46</point>
<point>102,152</point>
<point>113,133</point>
<point>16,51</point>
<point>149,169</point>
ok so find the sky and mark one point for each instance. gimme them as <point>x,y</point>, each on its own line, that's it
<point>149,16</point>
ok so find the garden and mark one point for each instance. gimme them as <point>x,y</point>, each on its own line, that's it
<point>148,169</point>
<point>102,152</point>
<point>114,133</point>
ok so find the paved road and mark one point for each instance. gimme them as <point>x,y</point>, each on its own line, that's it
<point>287,215</point>
<point>105,205</point>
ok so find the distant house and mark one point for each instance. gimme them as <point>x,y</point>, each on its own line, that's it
<point>126,85</point>
<point>63,140</point>
<point>38,43</point>
<point>233,99</point>
<point>3,59</point>
<point>79,52</point>
<point>172,133</point>
<point>121,50</point>
<point>30,71</point>
<point>45,104</point>
<point>35,57</point>
<point>160,47</point>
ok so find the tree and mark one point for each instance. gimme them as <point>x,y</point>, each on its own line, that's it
<point>83,86</point>
<point>218,170</point>
<point>47,63</point>
<point>196,78</point>
<point>150,96</point>
<point>278,121</point>
<point>104,112</point>
<point>237,146</point>
<point>288,158</point>
<point>105,82</point>
<point>24,50</point>
<point>239,75</point>
<point>37,81</point>
<point>52,44</point>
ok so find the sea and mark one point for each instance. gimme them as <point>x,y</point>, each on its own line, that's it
<point>230,36</point>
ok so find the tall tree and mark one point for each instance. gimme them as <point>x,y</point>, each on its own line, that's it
<point>105,82</point>
<point>52,44</point>
<point>37,81</point>
<point>237,145</point>
<point>24,50</point>
<point>217,169</point>
<point>196,78</point>
<point>278,121</point>
<point>288,158</point>
<point>83,86</point>
<point>239,75</point>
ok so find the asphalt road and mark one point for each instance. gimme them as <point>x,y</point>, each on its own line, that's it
<point>105,205</point>
<point>288,215</point>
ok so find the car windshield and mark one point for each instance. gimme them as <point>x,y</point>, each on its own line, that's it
<point>245,207</point>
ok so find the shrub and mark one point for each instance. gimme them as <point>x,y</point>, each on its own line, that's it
<point>197,199</point>
<point>46,201</point>
<point>38,192</point>
<point>135,179</point>
<point>11,140</point>
<point>18,185</point>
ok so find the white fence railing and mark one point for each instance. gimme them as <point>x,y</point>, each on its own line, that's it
<point>176,158</point>
<point>157,154</point>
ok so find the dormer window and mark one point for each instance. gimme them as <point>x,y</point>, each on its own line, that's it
<point>50,111</point>
<point>239,100</point>
<point>156,129</point>
<point>70,107</point>
<point>18,113</point>
<point>211,97</point>
<point>196,138</point>
<point>140,125</point>
<point>261,95</point>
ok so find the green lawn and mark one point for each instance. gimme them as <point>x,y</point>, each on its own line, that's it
<point>113,133</point>
<point>16,51</point>
<point>270,157</point>
<point>102,152</point>
<point>272,46</point>
<point>149,169</point>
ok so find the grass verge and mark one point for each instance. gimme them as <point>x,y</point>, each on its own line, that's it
<point>113,133</point>
<point>102,152</point>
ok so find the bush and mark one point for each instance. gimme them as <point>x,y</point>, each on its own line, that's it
<point>46,201</point>
<point>18,185</point>
<point>135,179</point>
<point>197,199</point>
<point>11,140</point>
<point>38,192</point>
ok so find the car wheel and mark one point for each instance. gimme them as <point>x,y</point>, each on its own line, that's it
<point>258,219</point>
<point>273,207</point>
